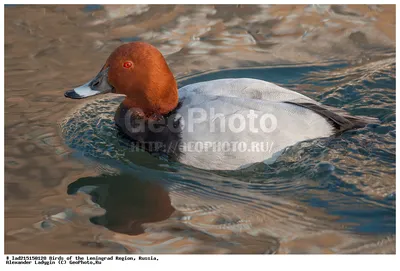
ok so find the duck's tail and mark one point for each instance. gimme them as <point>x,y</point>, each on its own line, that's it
<point>340,119</point>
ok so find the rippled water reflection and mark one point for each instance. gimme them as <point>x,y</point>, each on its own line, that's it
<point>72,186</point>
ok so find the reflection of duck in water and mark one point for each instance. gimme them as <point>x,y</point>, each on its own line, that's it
<point>128,203</point>
<point>198,125</point>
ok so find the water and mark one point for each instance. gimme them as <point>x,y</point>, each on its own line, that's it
<point>73,186</point>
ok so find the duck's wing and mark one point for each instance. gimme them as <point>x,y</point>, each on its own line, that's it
<point>247,88</point>
<point>254,89</point>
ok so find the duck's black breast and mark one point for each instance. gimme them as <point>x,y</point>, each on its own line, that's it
<point>161,136</point>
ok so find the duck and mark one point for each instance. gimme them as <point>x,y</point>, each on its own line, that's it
<point>223,124</point>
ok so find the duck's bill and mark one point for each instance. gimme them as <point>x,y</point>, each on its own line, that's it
<point>98,85</point>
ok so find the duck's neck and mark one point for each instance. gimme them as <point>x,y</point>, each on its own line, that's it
<point>158,101</point>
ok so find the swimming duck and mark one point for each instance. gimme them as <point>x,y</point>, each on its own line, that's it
<point>223,124</point>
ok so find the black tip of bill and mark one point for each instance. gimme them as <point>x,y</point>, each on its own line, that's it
<point>72,94</point>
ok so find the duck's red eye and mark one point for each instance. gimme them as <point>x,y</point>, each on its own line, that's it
<point>127,64</point>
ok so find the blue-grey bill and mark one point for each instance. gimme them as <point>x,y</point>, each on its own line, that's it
<point>97,85</point>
